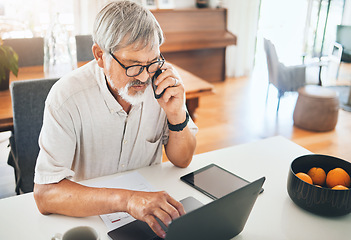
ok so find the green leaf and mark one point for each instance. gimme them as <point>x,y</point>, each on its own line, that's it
<point>8,61</point>
<point>2,73</point>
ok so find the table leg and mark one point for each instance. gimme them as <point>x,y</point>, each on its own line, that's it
<point>320,76</point>
<point>192,104</point>
<point>347,106</point>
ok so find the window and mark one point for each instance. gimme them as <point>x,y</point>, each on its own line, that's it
<point>23,18</point>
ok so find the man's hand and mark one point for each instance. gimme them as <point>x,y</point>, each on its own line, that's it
<point>73,199</point>
<point>145,206</point>
<point>173,99</point>
<point>181,145</point>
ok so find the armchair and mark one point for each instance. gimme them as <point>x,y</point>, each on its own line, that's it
<point>284,78</point>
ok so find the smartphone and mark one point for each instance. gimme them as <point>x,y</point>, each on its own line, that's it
<point>214,181</point>
<point>157,73</point>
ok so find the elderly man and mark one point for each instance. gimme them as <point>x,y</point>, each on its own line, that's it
<point>103,118</point>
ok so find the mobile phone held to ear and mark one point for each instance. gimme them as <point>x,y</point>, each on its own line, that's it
<point>157,73</point>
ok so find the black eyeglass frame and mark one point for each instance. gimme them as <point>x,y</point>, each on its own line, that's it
<point>142,67</point>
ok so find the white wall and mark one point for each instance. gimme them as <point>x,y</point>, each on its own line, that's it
<point>192,3</point>
<point>184,3</point>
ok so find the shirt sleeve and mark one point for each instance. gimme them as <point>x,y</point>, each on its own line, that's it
<point>57,147</point>
<point>193,128</point>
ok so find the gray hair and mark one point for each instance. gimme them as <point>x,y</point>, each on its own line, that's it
<point>124,23</point>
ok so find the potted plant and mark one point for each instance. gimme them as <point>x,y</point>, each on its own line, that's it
<point>8,62</point>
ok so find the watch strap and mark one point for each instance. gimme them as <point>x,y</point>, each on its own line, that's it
<point>179,127</point>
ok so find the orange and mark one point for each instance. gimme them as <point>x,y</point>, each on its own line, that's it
<point>338,176</point>
<point>340,187</point>
<point>304,177</point>
<point>318,175</point>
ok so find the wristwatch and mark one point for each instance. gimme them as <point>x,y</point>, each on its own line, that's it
<point>179,127</point>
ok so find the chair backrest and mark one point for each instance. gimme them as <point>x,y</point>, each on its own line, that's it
<point>28,100</point>
<point>334,58</point>
<point>30,51</point>
<point>272,61</point>
<point>284,78</point>
<point>84,44</point>
<point>343,36</point>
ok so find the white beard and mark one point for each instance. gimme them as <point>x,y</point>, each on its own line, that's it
<point>134,100</point>
<point>139,96</point>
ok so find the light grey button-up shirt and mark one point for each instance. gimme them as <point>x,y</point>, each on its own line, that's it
<point>87,134</point>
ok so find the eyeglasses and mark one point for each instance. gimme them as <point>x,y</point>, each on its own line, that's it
<point>135,70</point>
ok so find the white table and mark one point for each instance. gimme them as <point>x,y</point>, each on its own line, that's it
<point>274,215</point>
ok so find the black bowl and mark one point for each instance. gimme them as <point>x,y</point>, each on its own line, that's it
<point>319,200</point>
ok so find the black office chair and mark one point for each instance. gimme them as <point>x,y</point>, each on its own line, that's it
<point>343,36</point>
<point>28,100</point>
<point>30,51</point>
<point>84,44</point>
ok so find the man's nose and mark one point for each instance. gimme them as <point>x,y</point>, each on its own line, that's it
<point>144,75</point>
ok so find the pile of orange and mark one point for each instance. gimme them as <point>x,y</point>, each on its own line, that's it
<point>336,178</point>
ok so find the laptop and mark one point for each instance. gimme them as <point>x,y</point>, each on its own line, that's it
<point>223,218</point>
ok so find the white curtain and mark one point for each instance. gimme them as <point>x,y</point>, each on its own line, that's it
<point>346,20</point>
<point>84,14</point>
<point>242,21</point>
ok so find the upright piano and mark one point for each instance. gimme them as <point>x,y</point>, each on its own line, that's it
<point>196,40</point>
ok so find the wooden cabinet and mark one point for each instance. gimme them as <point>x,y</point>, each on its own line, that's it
<point>196,39</point>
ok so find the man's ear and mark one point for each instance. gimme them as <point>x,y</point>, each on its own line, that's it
<point>98,54</point>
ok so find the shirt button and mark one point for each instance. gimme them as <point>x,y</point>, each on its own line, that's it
<point>111,110</point>
<point>123,165</point>
<point>125,141</point>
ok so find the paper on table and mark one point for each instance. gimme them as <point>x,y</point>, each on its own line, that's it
<point>132,181</point>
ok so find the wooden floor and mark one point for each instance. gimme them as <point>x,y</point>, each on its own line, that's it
<point>238,113</point>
